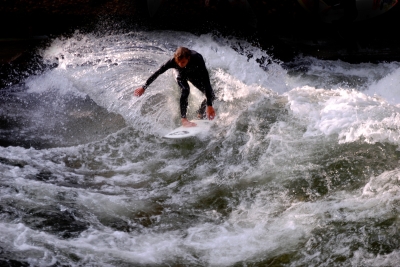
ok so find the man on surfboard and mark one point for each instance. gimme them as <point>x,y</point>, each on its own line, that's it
<point>191,67</point>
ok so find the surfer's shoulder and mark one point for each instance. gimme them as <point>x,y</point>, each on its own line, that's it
<point>195,56</point>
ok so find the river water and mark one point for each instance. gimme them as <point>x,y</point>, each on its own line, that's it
<point>301,167</point>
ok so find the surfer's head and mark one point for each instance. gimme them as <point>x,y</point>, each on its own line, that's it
<point>182,56</point>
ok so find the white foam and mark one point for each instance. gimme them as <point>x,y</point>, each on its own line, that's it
<point>387,87</point>
<point>53,80</point>
<point>349,114</point>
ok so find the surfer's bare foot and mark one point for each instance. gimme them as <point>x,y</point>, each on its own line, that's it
<point>186,123</point>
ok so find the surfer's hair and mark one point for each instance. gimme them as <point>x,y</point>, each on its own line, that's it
<point>181,53</point>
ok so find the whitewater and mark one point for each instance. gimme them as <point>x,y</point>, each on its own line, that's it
<point>300,168</point>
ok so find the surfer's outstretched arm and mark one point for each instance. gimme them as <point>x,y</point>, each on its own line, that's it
<point>140,91</point>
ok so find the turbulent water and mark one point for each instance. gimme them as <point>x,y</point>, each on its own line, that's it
<point>301,167</point>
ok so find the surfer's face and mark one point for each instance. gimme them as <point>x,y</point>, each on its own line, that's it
<point>182,62</point>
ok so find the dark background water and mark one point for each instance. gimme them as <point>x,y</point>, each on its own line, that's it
<point>283,26</point>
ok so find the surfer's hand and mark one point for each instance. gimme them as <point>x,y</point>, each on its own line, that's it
<point>139,91</point>
<point>186,123</point>
<point>210,112</point>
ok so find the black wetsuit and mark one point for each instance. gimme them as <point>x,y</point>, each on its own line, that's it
<point>195,71</point>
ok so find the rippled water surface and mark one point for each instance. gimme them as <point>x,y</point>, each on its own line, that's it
<point>301,167</point>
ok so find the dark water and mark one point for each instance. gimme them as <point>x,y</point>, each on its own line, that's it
<point>300,168</point>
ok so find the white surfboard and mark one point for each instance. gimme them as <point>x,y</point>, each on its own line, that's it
<point>202,126</point>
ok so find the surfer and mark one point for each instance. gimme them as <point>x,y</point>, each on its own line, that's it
<point>191,67</point>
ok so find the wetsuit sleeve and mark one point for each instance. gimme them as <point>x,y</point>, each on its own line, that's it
<point>161,70</point>
<point>209,92</point>
<point>205,80</point>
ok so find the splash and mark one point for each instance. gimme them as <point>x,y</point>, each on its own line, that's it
<point>300,168</point>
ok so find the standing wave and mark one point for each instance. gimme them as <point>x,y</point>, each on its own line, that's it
<point>300,168</point>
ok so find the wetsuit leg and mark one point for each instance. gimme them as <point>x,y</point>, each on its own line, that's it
<point>205,87</point>
<point>185,90</point>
